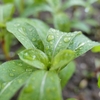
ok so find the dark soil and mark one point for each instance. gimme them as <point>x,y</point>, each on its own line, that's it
<point>83,84</point>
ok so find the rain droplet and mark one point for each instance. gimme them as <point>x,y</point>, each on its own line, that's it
<point>50,37</point>
<point>66,39</point>
<point>11,74</point>
<point>29,70</point>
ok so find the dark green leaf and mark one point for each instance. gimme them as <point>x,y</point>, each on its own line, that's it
<point>62,59</point>
<point>42,85</point>
<point>66,73</point>
<point>13,75</point>
<point>35,58</point>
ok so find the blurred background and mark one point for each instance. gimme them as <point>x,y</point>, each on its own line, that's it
<point>66,16</point>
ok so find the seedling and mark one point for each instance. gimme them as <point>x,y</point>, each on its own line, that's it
<point>43,66</point>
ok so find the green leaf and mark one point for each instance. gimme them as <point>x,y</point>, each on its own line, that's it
<point>13,75</point>
<point>26,33</point>
<point>99,81</point>
<point>96,49</point>
<point>35,9</point>
<point>56,41</point>
<point>66,73</point>
<point>62,59</point>
<point>52,4</point>
<point>71,99</point>
<point>42,85</point>
<point>6,12</point>
<point>8,1</point>
<point>35,58</point>
<point>62,22</point>
<point>69,3</point>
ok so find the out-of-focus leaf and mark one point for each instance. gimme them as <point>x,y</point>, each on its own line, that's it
<point>66,73</point>
<point>62,59</point>
<point>13,75</point>
<point>35,58</point>
<point>6,12</point>
<point>69,3</point>
<point>96,49</point>
<point>62,22</point>
<point>81,26</point>
<point>42,85</point>
<point>99,81</point>
<point>35,9</point>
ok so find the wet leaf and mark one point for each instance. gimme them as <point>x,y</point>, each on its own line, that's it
<point>13,75</point>
<point>35,58</point>
<point>45,87</point>
<point>62,59</point>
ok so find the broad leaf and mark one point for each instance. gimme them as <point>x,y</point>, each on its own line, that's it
<point>35,58</point>
<point>66,73</point>
<point>42,85</point>
<point>76,41</point>
<point>96,49</point>
<point>13,75</point>
<point>26,33</point>
<point>62,59</point>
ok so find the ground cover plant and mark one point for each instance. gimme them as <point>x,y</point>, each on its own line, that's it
<point>43,68</point>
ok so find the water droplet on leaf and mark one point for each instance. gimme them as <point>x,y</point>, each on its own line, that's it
<point>50,37</point>
<point>29,70</point>
<point>66,39</point>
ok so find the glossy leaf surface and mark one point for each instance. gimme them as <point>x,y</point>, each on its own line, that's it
<point>26,33</point>
<point>45,87</point>
<point>62,59</point>
<point>13,75</point>
<point>76,41</point>
<point>35,58</point>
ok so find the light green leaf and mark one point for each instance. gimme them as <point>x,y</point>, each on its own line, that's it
<point>13,75</point>
<point>99,81</point>
<point>69,3</point>
<point>26,33</point>
<point>35,58</point>
<point>8,1</point>
<point>56,41</point>
<point>96,49</point>
<point>52,4</point>
<point>62,59</point>
<point>6,12</point>
<point>66,73</point>
<point>42,85</point>
<point>62,22</point>
<point>71,99</point>
<point>35,9</point>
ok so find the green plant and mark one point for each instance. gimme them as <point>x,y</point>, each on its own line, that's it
<point>43,68</point>
<point>6,12</point>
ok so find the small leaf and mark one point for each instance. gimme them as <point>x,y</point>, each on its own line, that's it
<point>35,58</point>
<point>62,59</point>
<point>96,49</point>
<point>70,3</point>
<point>66,73</point>
<point>99,81</point>
<point>6,12</point>
<point>13,75</point>
<point>42,85</point>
